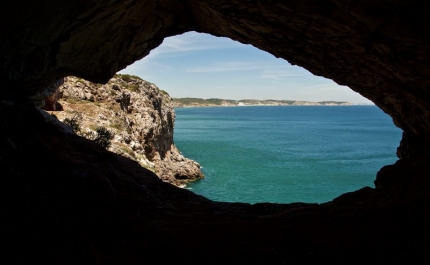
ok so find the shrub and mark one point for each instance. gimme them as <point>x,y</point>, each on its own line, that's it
<point>127,78</point>
<point>133,87</point>
<point>74,122</point>
<point>104,137</point>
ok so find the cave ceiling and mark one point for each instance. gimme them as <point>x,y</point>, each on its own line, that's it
<point>379,49</point>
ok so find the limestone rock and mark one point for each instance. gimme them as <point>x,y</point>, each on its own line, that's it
<point>49,97</point>
<point>139,114</point>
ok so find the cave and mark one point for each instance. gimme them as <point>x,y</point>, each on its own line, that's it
<point>66,201</point>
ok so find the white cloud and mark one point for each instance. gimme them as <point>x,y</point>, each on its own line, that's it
<point>226,67</point>
<point>193,41</point>
<point>278,74</point>
<point>180,63</point>
<point>267,71</point>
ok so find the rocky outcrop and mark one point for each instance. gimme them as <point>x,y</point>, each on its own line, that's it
<point>140,115</point>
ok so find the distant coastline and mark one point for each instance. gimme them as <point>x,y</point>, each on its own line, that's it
<point>217,102</point>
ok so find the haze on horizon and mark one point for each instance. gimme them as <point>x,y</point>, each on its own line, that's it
<point>203,66</point>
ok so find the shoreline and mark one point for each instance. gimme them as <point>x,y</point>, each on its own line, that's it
<point>219,102</point>
<point>261,105</point>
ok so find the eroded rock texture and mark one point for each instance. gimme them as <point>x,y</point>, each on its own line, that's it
<point>137,112</point>
<point>66,201</point>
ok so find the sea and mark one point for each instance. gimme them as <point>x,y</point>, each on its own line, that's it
<point>285,154</point>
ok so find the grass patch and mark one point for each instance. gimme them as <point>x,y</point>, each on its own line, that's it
<point>117,125</point>
<point>128,151</point>
<point>72,100</point>
<point>77,101</point>
<point>127,78</point>
<point>133,87</point>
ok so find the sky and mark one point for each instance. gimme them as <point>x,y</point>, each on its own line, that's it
<point>203,66</point>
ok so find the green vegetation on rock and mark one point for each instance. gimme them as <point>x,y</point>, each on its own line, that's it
<point>127,78</point>
<point>74,122</point>
<point>101,136</point>
<point>104,137</point>
<point>200,101</point>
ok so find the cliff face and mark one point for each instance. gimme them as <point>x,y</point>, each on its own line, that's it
<point>140,115</point>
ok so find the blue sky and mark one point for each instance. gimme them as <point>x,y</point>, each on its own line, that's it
<point>203,66</point>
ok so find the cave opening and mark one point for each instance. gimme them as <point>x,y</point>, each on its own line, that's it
<point>65,201</point>
<point>319,162</point>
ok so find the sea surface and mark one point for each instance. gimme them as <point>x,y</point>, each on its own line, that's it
<point>284,154</point>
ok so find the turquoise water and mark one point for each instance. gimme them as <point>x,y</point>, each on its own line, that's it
<point>285,154</point>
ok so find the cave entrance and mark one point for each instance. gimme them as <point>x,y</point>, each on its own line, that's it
<point>273,154</point>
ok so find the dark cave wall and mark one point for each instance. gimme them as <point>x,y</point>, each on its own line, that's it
<point>380,49</point>
<point>48,40</point>
<point>66,201</point>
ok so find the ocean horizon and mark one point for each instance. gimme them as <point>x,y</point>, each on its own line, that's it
<point>285,154</point>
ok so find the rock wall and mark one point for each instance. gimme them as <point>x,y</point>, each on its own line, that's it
<point>67,201</point>
<point>140,115</point>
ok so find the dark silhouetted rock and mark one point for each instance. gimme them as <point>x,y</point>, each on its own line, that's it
<point>67,201</point>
